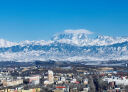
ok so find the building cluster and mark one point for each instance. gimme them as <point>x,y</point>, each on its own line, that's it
<point>78,79</point>
<point>68,82</point>
<point>10,83</point>
<point>47,81</point>
<point>116,83</point>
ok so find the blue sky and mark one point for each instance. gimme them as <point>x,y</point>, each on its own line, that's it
<point>40,19</point>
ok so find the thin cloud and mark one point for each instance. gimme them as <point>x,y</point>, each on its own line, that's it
<point>78,31</point>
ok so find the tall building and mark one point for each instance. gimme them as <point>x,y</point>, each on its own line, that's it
<point>50,76</point>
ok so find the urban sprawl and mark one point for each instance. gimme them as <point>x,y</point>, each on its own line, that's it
<point>73,78</point>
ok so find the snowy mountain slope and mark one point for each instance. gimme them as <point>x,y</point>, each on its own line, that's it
<point>63,52</point>
<point>5,43</point>
<point>82,39</point>
<point>67,46</point>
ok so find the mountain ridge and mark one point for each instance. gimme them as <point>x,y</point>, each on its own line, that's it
<point>67,46</point>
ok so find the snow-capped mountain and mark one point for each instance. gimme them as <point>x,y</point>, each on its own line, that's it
<point>67,46</point>
<point>5,43</point>
<point>82,39</point>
